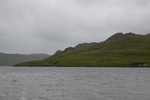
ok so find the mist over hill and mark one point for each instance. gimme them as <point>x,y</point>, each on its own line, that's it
<point>12,59</point>
<point>122,50</point>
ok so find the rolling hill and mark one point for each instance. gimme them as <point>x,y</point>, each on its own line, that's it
<point>12,59</point>
<point>119,50</point>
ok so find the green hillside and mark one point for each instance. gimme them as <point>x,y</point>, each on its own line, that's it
<point>122,50</point>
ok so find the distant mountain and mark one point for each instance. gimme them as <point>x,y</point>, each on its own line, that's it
<point>12,59</point>
<point>119,50</point>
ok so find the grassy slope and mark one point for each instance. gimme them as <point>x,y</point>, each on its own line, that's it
<point>118,50</point>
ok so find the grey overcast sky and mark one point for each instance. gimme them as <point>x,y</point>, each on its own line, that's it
<point>45,26</point>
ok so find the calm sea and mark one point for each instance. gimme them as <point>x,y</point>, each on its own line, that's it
<point>75,83</point>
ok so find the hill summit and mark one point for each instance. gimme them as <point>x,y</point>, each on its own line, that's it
<point>119,50</point>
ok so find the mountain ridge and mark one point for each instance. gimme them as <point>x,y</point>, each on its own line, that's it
<point>120,49</point>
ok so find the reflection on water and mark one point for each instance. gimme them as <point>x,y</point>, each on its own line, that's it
<point>74,83</point>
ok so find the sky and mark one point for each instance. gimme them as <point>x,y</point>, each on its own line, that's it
<point>45,26</point>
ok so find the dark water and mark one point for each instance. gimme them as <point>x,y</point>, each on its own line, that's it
<point>74,83</point>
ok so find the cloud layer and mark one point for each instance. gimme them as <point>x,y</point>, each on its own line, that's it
<point>44,26</point>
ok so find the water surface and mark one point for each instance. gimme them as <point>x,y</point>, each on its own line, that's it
<point>62,83</point>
